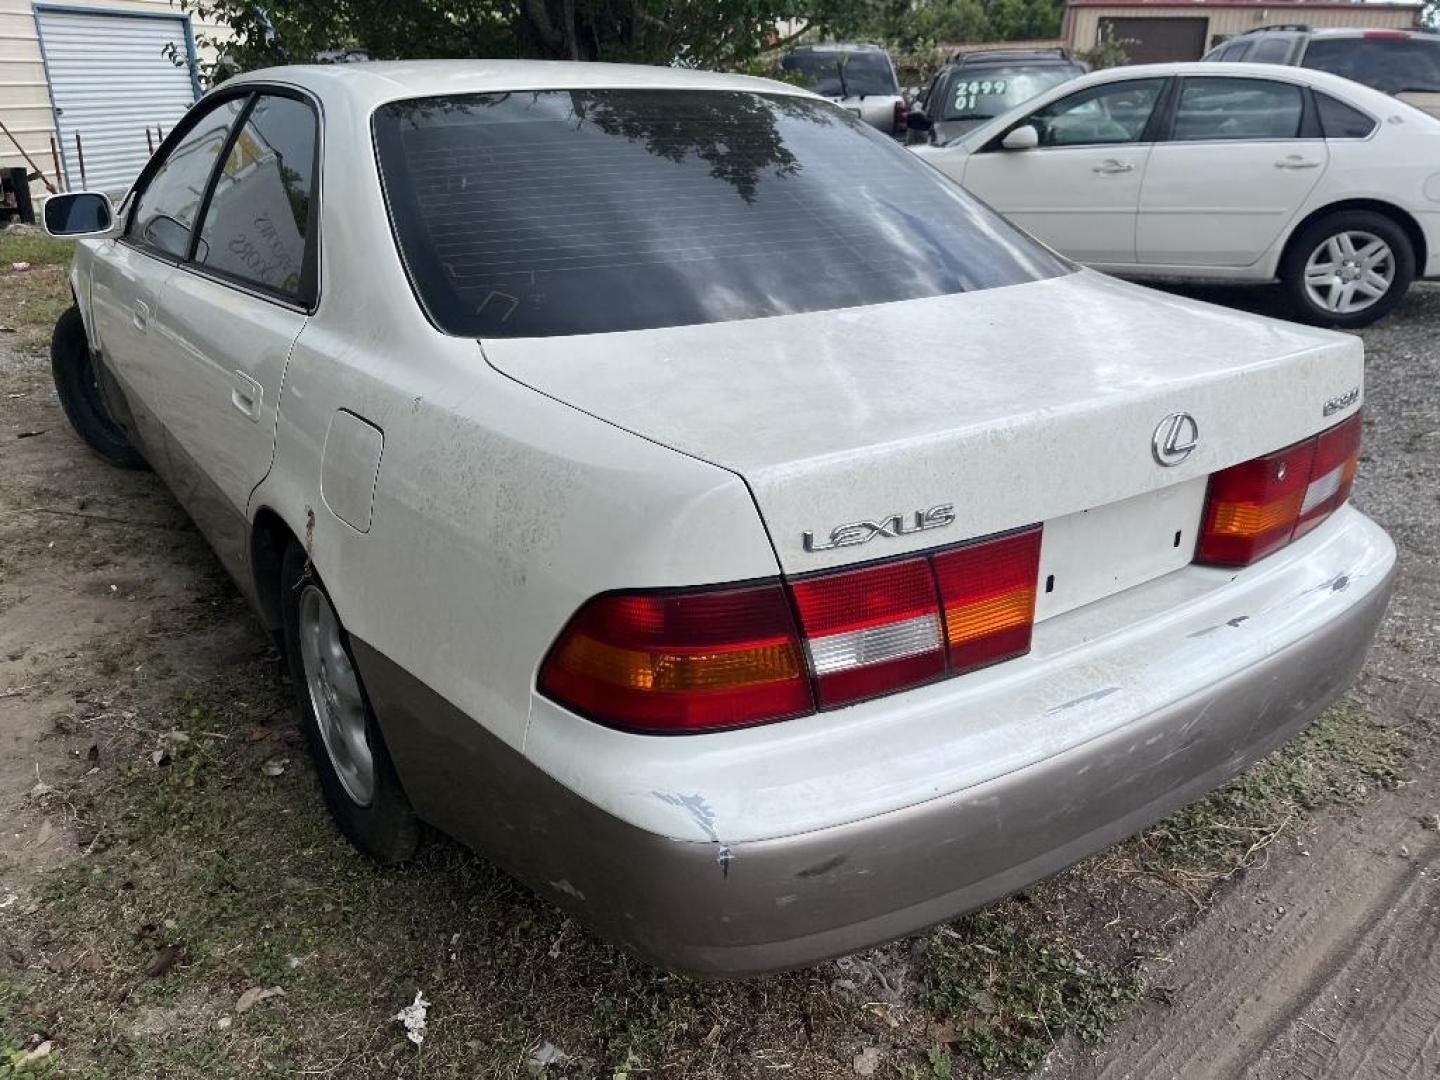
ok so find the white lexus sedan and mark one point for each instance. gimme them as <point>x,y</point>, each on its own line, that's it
<point>676,490</point>
<point>1233,172</point>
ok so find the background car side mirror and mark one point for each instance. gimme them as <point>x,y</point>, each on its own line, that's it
<point>79,214</point>
<point>1021,138</point>
<point>917,120</point>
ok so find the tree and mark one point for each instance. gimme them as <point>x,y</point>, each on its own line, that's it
<point>701,33</point>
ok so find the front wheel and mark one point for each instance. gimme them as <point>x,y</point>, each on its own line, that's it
<point>356,775</point>
<point>1348,269</point>
<point>77,384</point>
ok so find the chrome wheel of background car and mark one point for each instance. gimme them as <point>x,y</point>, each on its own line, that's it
<point>1349,272</point>
<point>335,696</point>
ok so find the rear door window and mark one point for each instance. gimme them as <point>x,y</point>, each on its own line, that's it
<point>589,211</point>
<point>1393,65</point>
<point>258,223</point>
<point>165,212</point>
<point>1235,109</point>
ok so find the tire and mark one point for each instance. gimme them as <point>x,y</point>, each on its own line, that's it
<point>73,368</point>
<point>1340,299</point>
<point>373,813</point>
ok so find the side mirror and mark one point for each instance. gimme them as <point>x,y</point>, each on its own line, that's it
<point>78,214</point>
<point>916,120</point>
<point>1021,138</point>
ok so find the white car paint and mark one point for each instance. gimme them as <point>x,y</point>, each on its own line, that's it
<point>515,478</point>
<point>1217,210</point>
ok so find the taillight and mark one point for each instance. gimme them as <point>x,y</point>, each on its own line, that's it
<point>709,659</point>
<point>1259,506</point>
<point>1394,35</point>
<point>988,593</point>
<point>681,661</point>
<point>900,114</point>
<point>870,631</point>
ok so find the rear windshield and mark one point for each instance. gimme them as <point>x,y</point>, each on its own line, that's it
<point>1393,65</point>
<point>842,74</point>
<point>578,212</point>
<point>980,93</point>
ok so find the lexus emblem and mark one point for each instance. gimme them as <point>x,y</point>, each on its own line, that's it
<point>1175,437</point>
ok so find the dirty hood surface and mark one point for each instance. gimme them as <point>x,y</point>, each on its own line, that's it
<point>1015,404</point>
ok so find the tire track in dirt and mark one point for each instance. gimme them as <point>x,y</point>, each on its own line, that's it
<point>1258,970</point>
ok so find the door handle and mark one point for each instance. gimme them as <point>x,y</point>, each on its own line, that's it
<point>1295,161</point>
<point>247,395</point>
<point>1112,166</point>
<point>141,315</point>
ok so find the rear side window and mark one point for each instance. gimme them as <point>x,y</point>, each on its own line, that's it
<point>1340,121</point>
<point>165,213</point>
<point>580,212</point>
<point>1393,65</point>
<point>1233,51</point>
<point>258,218</point>
<point>1271,50</point>
<point>1215,109</point>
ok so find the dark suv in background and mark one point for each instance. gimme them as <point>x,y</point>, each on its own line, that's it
<point>1405,63</point>
<point>976,86</point>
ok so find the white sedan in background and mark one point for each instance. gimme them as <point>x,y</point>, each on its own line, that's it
<point>647,482</point>
<point>1235,172</point>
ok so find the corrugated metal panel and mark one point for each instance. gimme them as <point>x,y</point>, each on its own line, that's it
<point>110,80</point>
<point>1227,20</point>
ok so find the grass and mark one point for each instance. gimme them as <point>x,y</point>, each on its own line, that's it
<point>31,300</point>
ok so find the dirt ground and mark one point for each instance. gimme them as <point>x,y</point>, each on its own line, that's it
<point>174,901</point>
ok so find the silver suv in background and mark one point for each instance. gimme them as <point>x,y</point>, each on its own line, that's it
<point>1405,63</point>
<point>859,77</point>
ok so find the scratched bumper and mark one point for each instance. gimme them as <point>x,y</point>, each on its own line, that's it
<point>732,908</point>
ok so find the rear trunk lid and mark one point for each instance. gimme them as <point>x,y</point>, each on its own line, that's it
<point>1007,407</point>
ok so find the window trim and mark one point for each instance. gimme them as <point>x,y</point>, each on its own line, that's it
<point>162,154</point>
<point>1308,130</point>
<point>1154,127</point>
<point>308,301</point>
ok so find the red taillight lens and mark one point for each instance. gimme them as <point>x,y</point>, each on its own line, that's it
<point>900,113</point>
<point>676,662</point>
<point>1337,452</point>
<point>870,631</point>
<point>1261,505</point>
<point>708,659</point>
<point>988,593</point>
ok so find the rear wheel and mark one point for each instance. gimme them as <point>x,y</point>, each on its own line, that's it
<point>77,384</point>
<point>356,774</point>
<point>1348,269</point>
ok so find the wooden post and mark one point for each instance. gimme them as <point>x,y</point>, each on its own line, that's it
<point>59,172</point>
<point>28,159</point>
<point>80,157</point>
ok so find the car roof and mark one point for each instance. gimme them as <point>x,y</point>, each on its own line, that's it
<point>839,46</point>
<point>1012,56</point>
<point>371,83</point>
<point>1366,31</point>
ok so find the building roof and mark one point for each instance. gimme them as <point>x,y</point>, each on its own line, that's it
<point>1277,6</point>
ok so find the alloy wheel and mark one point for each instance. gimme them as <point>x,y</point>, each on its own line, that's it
<point>335,696</point>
